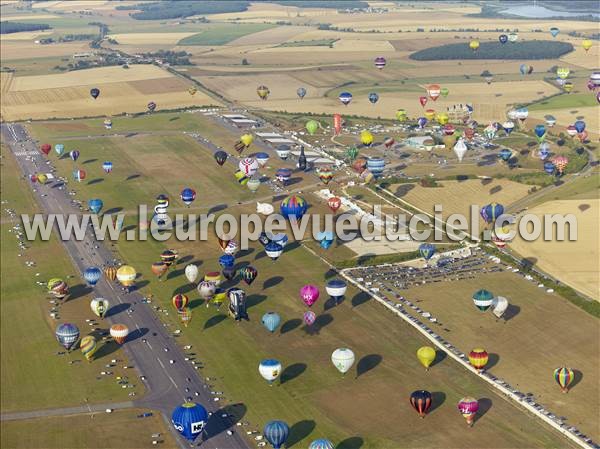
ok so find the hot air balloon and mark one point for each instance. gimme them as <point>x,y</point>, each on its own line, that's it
<point>262,158</point>
<point>59,148</point>
<point>505,154</point>
<point>41,178</point>
<point>449,129</point>
<point>337,124</point>
<point>185,316</point>
<point>248,274</point>
<point>429,114</point>
<point>321,443</point>
<point>92,275</point>
<point>366,138</point>
<point>247,139</point>
<point>549,167</point>
<point>560,162</point>
<point>213,277</point>
<point>253,184</point>
<point>94,92</point>
<point>95,205</point>
<point>421,401</point>
<point>241,177</point>
<point>107,166</point>
<point>343,359</point>
<point>460,149</point>
<point>491,212</point>
<point>469,134</point>
<point>508,127</point>
<point>380,62</point>
<point>237,304</point>
<point>478,358</point>
<point>248,166</point>
<point>564,377</point>
<point>74,155</point>
<point>263,92</point>
<point>513,37</point>
<point>526,69</point>
<point>334,203</point>
<point>151,106</point>
<point>503,38</point>
<point>443,118</point>
<point>168,256</point>
<point>587,44</point>
<point>554,31</point>
<point>108,123</point>
<point>110,273</point>
<point>444,91</point>
<point>426,355</point>
<point>88,347</point>
<point>283,175</point>
<point>46,148</point>
<point>119,333</point>
<point>325,239</point>
<point>276,433</point>
<point>563,72</point>
<point>192,91</point>
<point>206,290</point>
<point>270,369</point>
<point>421,121</point>
<point>189,419</point>
<point>126,275</point>
<point>301,92</point>
<point>345,98</point>
<point>483,299</point>
<point>571,130</point>
<point>434,91</point>
<point>57,288</point>
<point>309,294</point>
<point>423,101</point>
<point>499,306</point>
<point>540,133</point>
<point>579,126</point>
<point>489,78</point>
<point>188,196</point>
<point>283,151</point>
<point>309,318</point>
<point>228,272</point>
<point>373,97</point>
<point>220,157</point>
<point>79,175</point>
<point>325,174</point>
<point>427,250</point>
<point>293,206</point>
<point>336,289</point>
<point>550,120</point>
<point>474,45</point>
<point>312,126</point>
<point>468,407</point>
<point>99,306</point>
<point>270,321</point>
<point>226,260</point>
<point>180,301</point>
<point>67,335</point>
<point>401,115</point>
<point>273,250</point>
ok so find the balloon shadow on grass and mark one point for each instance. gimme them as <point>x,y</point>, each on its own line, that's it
<point>485,404</point>
<point>184,259</point>
<point>292,371</point>
<point>360,298</point>
<point>217,425</point>
<point>175,273</point>
<point>437,400</point>
<point>367,363</point>
<point>493,360</point>
<point>244,252</point>
<point>95,181</point>
<point>90,161</point>
<point>511,312</point>
<point>350,443</point>
<point>118,308</point>
<point>321,321</point>
<point>213,321</point>
<point>290,325</point>
<point>217,208</point>
<point>185,289</point>
<point>300,431</point>
<point>107,347</point>
<point>254,300</point>
<point>131,177</point>
<point>113,210</point>
<point>440,356</point>
<point>79,290</point>
<point>272,282</point>
<point>577,377</point>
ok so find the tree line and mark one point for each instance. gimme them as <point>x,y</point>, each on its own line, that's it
<point>16,27</point>
<point>496,50</point>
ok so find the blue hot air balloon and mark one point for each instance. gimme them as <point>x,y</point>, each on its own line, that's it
<point>67,335</point>
<point>540,132</point>
<point>549,167</point>
<point>336,288</point>
<point>271,321</point>
<point>345,98</point>
<point>107,166</point>
<point>321,443</point>
<point>505,154</point>
<point>276,433</point>
<point>503,38</point>
<point>421,121</point>
<point>95,205</point>
<point>301,92</point>
<point>92,275</point>
<point>262,158</point>
<point>325,239</point>
<point>544,151</point>
<point>273,250</point>
<point>373,97</point>
<point>491,212</point>
<point>376,165</point>
<point>74,155</point>
<point>554,31</point>
<point>226,260</point>
<point>59,148</point>
<point>293,206</point>
<point>427,250</point>
<point>579,126</point>
<point>188,196</point>
<point>283,175</point>
<point>189,419</point>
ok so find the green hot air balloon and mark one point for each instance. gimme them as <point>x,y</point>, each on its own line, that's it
<point>312,126</point>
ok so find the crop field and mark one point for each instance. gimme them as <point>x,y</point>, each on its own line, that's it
<point>524,349</point>
<point>150,38</point>
<point>122,91</point>
<point>223,34</point>
<point>102,431</point>
<point>14,50</point>
<point>63,383</point>
<point>573,262</point>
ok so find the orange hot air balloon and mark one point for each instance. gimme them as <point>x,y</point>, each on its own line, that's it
<point>334,203</point>
<point>119,333</point>
<point>223,243</point>
<point>478,358</point>
<point>159,268</point>
<point>434,91</point>
<point>180,301</point>
<point>110,273</point>
<point>337,124</point>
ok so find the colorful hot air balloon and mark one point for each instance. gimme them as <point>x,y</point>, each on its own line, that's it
<point>74,155</point>
<point>188,196</point>
<point>309,294</point>
<point>168,256</point>
<point>422,121</point>
<point>444,91</point>
<point>376,166</point>
<point>491,212</point>
<point>273,250</point>
<point>560,162</point>
<point>110,273</point>
<point>505,154</point>
<point>587,44</point>
<point>126,275</point>
<point>427,250</point>
<point>373,97</point>
<point>237,304</point>
<point>468,407</point>
<point>321,443</point>
<point>46,148</point>
<point>483,299</point>
<point>189,419</point>
<point>107,166</point>
<point>564,377</point>
<point>312,126</point>
<point>262,158</point>
<point>401,115</point>
<point>443,118</point>
<point>336,289</point>
<point>325,174</point>
<point>220,156</point>
<point>429,114</point>
<point>293,206</point>
<point>151,106</point>
<point>563,72</point>
<point>253,184</point>
<point>95,205</point>
<point>99,306</point>
<point>248,166</point>
<point>108,123</point>
<point>549,167</point>
<point>366,137</point>
<point>185,316</point>
<point>94,92</point>
<point>119,333</point>
<point>248,274</point>
<point>343,359</point>
<point>270,369</point>
<point>503,38</point>
<point>79,175</point>
<point>270,321</point>
<point>180,301</point>
<point>337,124</point>
<point>380,62</point>
<point>206,289</point>
<point>276,433</point>
<point>478,358</point>
<point>247,139</point>
<point>92,275</point>
<point>474,45</point>
<point>263,92</point>
<point>334,203</point>
<point>283,175</point>
<point>67,335</point>
<point>434,91</point>
<point>301,92</point>
<point>423,101</point>
<point>426,355</point>
<point>345,98</point>
<point>88,347</point>
<point>540,133</point>
<point>57,288</point>
<point>421,401</point>
<point>226,260</point>
<point>59,148</point>
<point>309,318</point>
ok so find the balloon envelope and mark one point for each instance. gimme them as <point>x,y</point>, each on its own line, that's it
<point>276,433</point>
<point>343,359</point>
<point>271,321</point>
<point>426,355</point>
<point>270,369</point>
<point>189,419</point>
<point>67,335</point>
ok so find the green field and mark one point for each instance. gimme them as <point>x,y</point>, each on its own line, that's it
<point>33,376</point>
<point>102,431</point>
<point>314,43</point>
<point>564,101</point>
<point>222,34</point>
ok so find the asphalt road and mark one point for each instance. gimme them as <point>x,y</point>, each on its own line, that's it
<point>166,373</point>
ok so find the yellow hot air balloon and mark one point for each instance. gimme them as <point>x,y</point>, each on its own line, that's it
<point>192,90</point>
<point>401,115</point>
<point>366,138</point>
<point>442,118</point>
<point>426,355</point>
<point>449,141</point>
<point>247,139</point>
<point>263,92</point>
<point>429,114</point>
<point>587,44</point>
<point>126,275</point>
<point>474,45</point>
<point>42,178</point>
<point>88,346</point>
<point>568,86</point>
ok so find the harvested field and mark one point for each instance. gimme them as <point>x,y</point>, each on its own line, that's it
<point>271,36</point>
<point>25,35</point>
<point>149,38</point>
<point>18,50</point>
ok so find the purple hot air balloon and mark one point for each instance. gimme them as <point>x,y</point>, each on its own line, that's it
<point>309,318</point>
<point>309,294</point>
<point>421,121</point>
<point>74,154</point>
